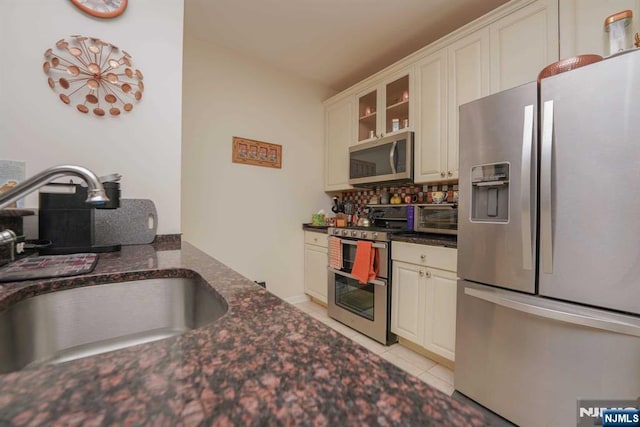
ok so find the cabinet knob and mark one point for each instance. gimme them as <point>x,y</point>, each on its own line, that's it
<point>421,273</point>
<point>381,135</point>
<point>315,239</point>
<point>449,173</point>
<point>442,174</point>
<point>428,274</point>
<point>423,257</point>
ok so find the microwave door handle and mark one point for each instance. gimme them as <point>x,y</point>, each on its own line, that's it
<point>392,157</point>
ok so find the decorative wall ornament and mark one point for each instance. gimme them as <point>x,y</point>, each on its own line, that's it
<point>252,152</point>
<point>93,75</point>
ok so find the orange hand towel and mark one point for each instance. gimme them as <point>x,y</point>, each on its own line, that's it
<point>363,267</point>
<point>335,253</point>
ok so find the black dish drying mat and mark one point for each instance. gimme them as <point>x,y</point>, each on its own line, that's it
<point>41,267</point>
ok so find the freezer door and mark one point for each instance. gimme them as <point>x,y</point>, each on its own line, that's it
<point>530,359</point>
<point>590,185</point>
<point>497,210</point>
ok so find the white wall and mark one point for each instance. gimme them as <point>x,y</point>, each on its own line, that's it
<point>250,217</point>
<point>143,146</point>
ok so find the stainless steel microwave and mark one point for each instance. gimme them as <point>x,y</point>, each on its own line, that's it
<point>385,159</point>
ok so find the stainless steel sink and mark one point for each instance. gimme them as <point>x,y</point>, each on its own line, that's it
<point>65,325</point>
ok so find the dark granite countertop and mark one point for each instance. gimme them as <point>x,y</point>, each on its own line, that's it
<point>316,228</point>
<point>263,363</point>
<point>10,212</point>
<point>427,239</point>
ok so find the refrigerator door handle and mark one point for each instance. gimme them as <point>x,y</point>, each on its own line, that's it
<point>525,189</point>
<point>546,226</point>
<point>561,316</point>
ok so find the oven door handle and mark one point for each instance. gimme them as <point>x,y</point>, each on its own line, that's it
<point>355,242</point>
<point>351,276</point>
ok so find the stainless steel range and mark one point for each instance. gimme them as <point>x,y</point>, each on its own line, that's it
<point>365,307</point>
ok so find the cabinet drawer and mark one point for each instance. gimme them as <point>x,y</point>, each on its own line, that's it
<point>431,256</point>
<point>318,239</point>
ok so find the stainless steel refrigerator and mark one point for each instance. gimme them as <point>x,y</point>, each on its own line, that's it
<point>548,311</point>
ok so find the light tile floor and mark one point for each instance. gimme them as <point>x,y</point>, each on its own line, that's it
<point>411,362</point>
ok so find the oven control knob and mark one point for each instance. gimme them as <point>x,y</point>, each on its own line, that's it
<point>374,236</point>
<point>344,232</point>
<point>336,231</point>
<point>363,234</point>
<point>354,233</point>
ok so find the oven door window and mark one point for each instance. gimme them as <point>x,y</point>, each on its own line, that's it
<point>349,250</point>
<point>354,297</point>
<point>348,256</point>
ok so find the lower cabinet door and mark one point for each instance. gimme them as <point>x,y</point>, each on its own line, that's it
<point>315,272</point>
<point>440,312</point>
<point>407,301</point>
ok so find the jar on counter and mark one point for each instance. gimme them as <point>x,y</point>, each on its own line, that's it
<point>619,29</point>
<point>384,197</point>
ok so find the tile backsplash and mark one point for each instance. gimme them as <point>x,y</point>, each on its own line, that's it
<point>418,192</point>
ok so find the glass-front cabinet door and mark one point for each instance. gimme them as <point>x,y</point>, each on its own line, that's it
<point>384,109</point>
<point>397,105</point>
<point>368,116</point>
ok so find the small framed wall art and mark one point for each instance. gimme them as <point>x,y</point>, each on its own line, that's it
<point>258,153</point>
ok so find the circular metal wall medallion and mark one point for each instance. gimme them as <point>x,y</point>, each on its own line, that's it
<point>93,75</point>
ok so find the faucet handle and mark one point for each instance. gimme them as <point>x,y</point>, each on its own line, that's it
<point>8,237</point>
<point>112,177</point>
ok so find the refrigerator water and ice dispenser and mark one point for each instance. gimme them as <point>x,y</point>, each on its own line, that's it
<point>490,192</point>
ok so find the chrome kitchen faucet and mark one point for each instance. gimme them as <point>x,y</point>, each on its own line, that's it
<point>96,193</point>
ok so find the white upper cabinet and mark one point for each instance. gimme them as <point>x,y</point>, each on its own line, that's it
<point>430,158</point>
<point>468,63</point>
<point>523,43</point>
<point>507,52</point>
<point>339,134</point>
<point>383,109</point>
<point>423,92</point>
<point>582,24</point>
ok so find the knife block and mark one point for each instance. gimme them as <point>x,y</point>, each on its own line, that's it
<point>67,220</point>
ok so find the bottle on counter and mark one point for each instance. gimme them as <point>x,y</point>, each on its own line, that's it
<point>410,217</point>
<point>384,197</point>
